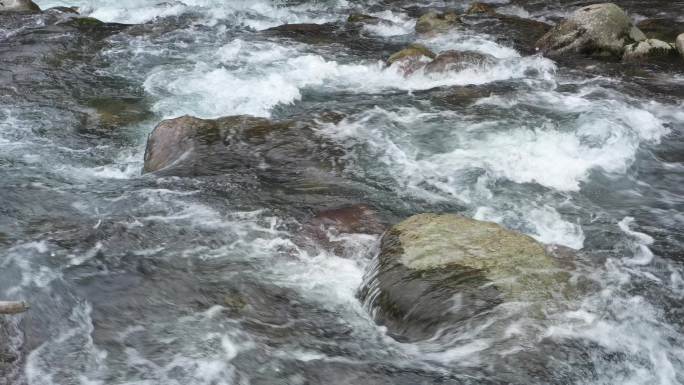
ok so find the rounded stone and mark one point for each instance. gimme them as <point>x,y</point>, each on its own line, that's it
<point>18,6</point>
<point>428,261</point>
<point>598,29</point>
<point>650,48</point>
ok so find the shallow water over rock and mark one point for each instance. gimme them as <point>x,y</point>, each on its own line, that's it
<point>246,267</point>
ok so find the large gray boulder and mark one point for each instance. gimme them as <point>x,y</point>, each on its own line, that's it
<point>598,29</point>
<point>679,43</point>
<point>18,6</point>
<point>437,271</point>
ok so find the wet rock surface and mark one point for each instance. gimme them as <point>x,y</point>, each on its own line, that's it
<point>411,58</point>
<point>414,51</point>
<point>327,228</point>
<point>193,146</point>
<point>458,61</point>
<point>649,49</point>
<point>239,258</point>
<point>599,29</point>
<point>349,35</point>
<point>18,6</point>
<point>434,22</point>
<point>60,51</point>
<point>435,272</point>
<point>662,29</point>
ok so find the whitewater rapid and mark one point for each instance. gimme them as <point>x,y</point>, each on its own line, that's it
<point>135,279</point>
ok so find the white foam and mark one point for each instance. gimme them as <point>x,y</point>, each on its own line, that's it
<point>605,135</point>
<point>639,244</point>
<point>259,14</point>
<point>207,91</point>
<point>399,24</point>
<point>544,223</point>
<point>466,41</point>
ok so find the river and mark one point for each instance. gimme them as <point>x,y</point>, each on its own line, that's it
<point>203,280</point>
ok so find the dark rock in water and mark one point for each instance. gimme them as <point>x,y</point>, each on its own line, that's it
<point>417,56</point>
<point>661,29</point>
<point>344,34</point>
<point>326,225</point>
<point>514,31</point>
<point>354,219</point>
<point>480,8</point>
<point>522,33</point>
<point>463,96</point>
<point>433,22</point>
<point>53,59</point>
<point>599,29</point>
<point>18,6</point>
<point>411,58</point>
<point>116,112</point>
<point>71,10</point>
<point>244,144</point>
<point>363,18</point>
<point>181,140</point>
<point>412,51</point>
<point>308,33</point>
<point>649,49</point>
<point>459,60</point>
<point>435,271</point>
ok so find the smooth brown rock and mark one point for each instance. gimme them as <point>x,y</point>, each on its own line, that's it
<point>327,225</point>
<point>179,139</point>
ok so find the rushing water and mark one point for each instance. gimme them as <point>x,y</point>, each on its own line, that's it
<point>145,279</point>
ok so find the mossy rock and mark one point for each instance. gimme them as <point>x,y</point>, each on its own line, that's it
<point>362,18</point>
<point>429,259</point>
<point>85,22</point>
<point>119,112</point>
<point>480,9</point>
<point>412,51</point>
<point>433,22</point>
